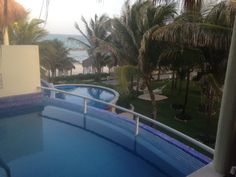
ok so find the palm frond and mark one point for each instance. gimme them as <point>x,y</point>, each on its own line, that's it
<point>195,34</point>
<point>88,29</point>
<point>81,32</point>
<point>222,14</point>
<point>27,32</point>
<point>87,46</point>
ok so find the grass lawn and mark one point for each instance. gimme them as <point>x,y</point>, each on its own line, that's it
<point>198,125</point>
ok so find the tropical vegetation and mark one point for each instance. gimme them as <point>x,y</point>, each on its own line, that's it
<point>54,55</point>
<point>158,35</point>
<point>10,11</point>
<point>150,36</point>
<point>169,36</point>
<point>27,31</point>
<point>95,38</point>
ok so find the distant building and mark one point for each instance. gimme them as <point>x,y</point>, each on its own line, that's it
<point>78,68</point>
<point>88,67</point>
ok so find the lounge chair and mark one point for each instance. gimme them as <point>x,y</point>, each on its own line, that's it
<point>159,90</point>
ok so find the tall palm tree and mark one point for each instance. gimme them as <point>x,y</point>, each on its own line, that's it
<point>10,11</point>
<point>211,33</point>
<point>54,55</point>
<point>128,30</point>
<point>183,60</point>
<point>191,29</point>
<point>27,32</point>
<point>123,43</point>
<point>94,39</point>
<point>156,17</point>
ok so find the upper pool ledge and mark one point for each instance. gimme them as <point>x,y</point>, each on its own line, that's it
<point>206,171</point>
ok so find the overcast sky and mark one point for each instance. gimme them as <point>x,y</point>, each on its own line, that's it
<point>64,13</point>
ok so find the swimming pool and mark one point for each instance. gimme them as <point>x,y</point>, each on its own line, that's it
<point>57,139</point>
<point>91,91</point>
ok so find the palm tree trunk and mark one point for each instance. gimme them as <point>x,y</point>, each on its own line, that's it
<point>186,92</point>
<point>49,74</point>
<point>210,97</point>
<point>173,81</point>
<point>131,82</point>
<point>53,73</point>
<point>159,73</point>
<point>138,82</point>
<point>176,81</point>
<point>180,86</point>
<point>5,28</point>
<point>98,78</point>
<point>5,36</point>
<point>152,96</point>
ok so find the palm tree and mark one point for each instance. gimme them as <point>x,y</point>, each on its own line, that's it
<point>193,30</point>
<point>214,30</point>
<point>128,30</point>
<point>185,60</point>
<point>156,17</point>
<point>10,11</point>
<point>123,43</point>
<point>94,39</point>
<point>27,32</point>
<point>54,55</point>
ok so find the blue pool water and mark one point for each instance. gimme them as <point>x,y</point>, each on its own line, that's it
<point>34,146</point>
<point>88,91</point>
<point>59,141</point>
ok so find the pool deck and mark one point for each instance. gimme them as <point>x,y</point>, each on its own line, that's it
<point>206,171</point>
<point>157,97</point>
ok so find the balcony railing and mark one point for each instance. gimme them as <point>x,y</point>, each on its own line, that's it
<point>137,118</point>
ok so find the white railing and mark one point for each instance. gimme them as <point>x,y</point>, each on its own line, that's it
<point>137,119</point>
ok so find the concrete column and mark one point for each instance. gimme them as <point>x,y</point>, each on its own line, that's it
<point>226,135</point>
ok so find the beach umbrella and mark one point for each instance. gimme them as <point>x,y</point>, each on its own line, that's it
<point>10,11</point>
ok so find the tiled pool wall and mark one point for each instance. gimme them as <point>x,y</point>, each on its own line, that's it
<point>20,104</point>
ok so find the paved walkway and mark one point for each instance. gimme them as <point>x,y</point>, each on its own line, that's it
<point>111,82</point>
<point>126,114</point>
<point>157,97</point>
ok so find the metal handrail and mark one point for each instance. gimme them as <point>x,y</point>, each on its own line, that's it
<point>138,117</point>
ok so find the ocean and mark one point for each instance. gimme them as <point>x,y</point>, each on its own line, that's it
<point>76,54</point>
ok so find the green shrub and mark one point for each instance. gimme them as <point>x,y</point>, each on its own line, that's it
<point>124,101</point>
<point>126,75</point>
<point>78,77</point>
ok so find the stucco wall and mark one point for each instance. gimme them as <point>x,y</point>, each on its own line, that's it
<point>19,70</point>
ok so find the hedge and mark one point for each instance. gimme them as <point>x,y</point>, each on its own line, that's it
<point>79,77</point>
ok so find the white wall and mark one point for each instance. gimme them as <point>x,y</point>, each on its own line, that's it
<point>19,70</point>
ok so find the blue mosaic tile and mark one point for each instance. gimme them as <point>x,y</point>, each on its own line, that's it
<point>14,105</point>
